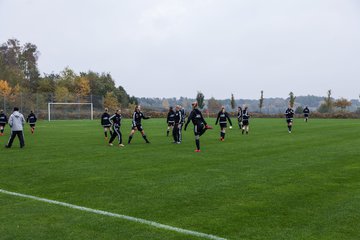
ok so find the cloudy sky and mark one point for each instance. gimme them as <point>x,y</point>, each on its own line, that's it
<point>173,48</point>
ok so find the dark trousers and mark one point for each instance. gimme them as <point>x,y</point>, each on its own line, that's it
<point>12,137</point>
<point>177,133</point>
<point>116,133</point>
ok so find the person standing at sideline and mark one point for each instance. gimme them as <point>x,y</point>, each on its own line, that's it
<point>116,124</point>
<point>3,122</point>
<point>16,123</point>
<point>223,116</point>
<point>31,119</point>
<point>200,125</point>
<point>105,122</point>
<point>306,112</point>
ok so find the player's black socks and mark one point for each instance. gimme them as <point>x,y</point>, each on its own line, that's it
<point>242,132</point>
<point>167,133</point>
<point>145,138</point>
<point>130,137</point>
<point>111,132</point>
<point>197,141</point>
<point>105,134</point>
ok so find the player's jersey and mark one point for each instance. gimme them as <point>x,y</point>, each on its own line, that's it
<point>105,119</point>
<point>289,113</point>
<point>170,117</point>
<point>115,120</point>
<point>177,117</point>
<point>245,115</point>
<point>223,116</point>
<point>240,116</point>
<point>31,118</point>
<point>306,111</point>
<point>182,111</point>
<point>196,117</point>
<point>3,118</point>
<point>137,116</point>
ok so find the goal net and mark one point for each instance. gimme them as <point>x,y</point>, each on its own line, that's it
<point>65,111</point>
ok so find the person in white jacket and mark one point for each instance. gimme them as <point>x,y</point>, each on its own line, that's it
<point>16,123</point>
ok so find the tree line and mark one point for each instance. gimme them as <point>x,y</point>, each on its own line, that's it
<point>19,73</point>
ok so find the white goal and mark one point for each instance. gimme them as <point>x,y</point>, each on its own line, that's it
<point>60,111</point>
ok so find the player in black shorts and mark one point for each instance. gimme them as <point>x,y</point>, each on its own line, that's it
<point>222,118</point>
<point>177,125</point>
<point>245,121</point>
<point>31,119</point>
<point>105,122</point>
<point>170,120</point>
<point>289,114</point>
<point>115,121</point>
<point>240,117</point>
<point>200,125</point>
<point>306,112</point>
<point>136,124</point>
<point>3,122</point>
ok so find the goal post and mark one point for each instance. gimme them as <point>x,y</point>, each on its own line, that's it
<point>50,104</point>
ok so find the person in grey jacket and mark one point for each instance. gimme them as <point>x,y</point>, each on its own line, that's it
<point>16,123</point>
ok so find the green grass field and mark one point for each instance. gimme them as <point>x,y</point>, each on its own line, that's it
<point>266,185</point>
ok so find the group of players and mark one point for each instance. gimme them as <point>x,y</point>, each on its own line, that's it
<point>31,119</point>
<point>175,122</point>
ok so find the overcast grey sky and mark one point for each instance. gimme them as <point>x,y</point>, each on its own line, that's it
<point>173,48</point>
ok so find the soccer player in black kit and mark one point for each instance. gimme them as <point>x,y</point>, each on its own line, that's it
<point>31,119</point>
<point>105,122</point>
<point>200,125</point>
<point>245,121</point>
<point>240,117</point>
<point>136,124</point>
<point>177,125</point>
<point>115,121</point>
<point>223,116</point>
<point>170,120</point>
<point>3,122</point>
<point>306,112</point>
<point>289,114</point>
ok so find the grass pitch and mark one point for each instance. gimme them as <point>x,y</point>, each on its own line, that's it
<point>266,185</point>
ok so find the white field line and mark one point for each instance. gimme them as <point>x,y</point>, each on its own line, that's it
<point>129,218</point>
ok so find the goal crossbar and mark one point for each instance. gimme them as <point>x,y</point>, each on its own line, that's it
<point>67,103</point>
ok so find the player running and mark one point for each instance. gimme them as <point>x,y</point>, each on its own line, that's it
<point>3,122</point>
<point>200,125</point>
<point>245,121</point>
<point>136,124</point>
<point>306,112</point>
<point>170,120</point>
<point>31,119</point>
<point>105,122</point>
<point>115,121</point>
<point>223,116</point>
<point>240,117</point>
<point>289,114</point>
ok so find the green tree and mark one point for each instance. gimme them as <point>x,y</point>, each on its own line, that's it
<point>292,99</point>
<point>327,105</point>
<point>213,105</point>
<point>261,100</point>
<point>299,110</point>
<point>200,100</point>
<point>232,102</point>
